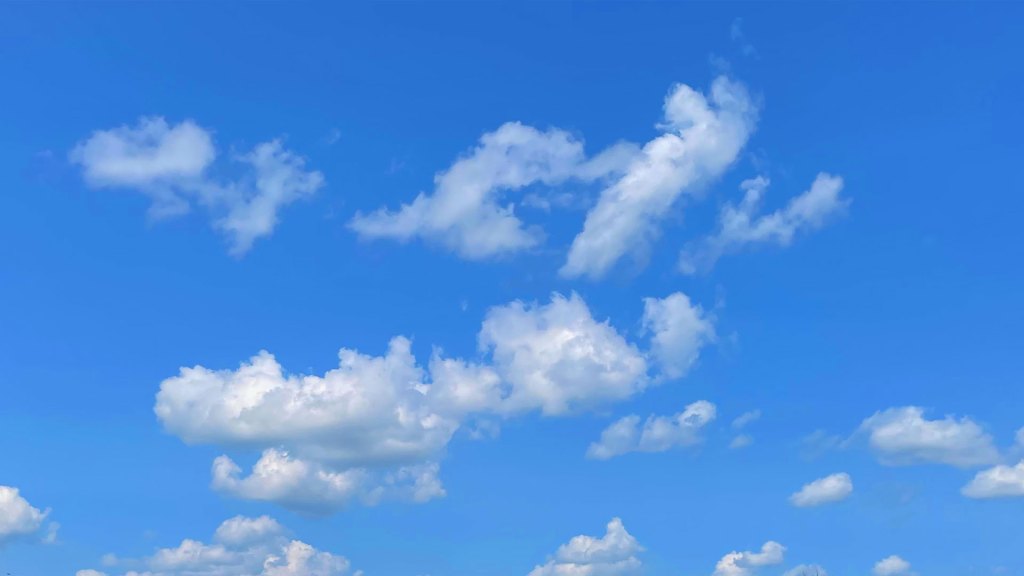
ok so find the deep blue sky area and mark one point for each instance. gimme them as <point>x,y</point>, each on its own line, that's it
<point>908,295</point>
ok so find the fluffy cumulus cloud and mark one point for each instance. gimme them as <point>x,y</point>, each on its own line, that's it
<point>241,547</point>
<point>892,566</point>
<point>1000,481</point>
<point>831,488</point>
<point>902,436</point>
<point>471,210</point>
<point>655,434</point>
<point>20,520</point>
<point>740,226</point>
<point>748,563</point>
<point>614,554</point>
<point>703,134</point>
<point>376,427</point>
<point>172,165</point>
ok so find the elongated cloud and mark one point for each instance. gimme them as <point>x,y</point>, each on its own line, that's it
<point>740,226</point>
<point>614,554</point>
<point>748,563</point>
<point>703,136</point>
<point>241,546</point>
<point>656,434</point>
<point>472,208</point>
<point>376,427</point>
<point>19,519</point>
<point>832,488</point>
<point>468,212</point>
<point>171,165</point>
<point>903,436</point>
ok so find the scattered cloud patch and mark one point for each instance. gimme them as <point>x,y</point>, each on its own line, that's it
<point>740,226</point>
<point>832,488</point>
<point>741,441</point>
<point>806,570</point>
<point>376,427</point>
<point>891,566</point>
<point>903,436</point>
<point>171,164</point>
<point>20,520</point>
<point>748,563</point>
<point>741,422</point>
<point>614,554</point>
<point>679,330</point>
<point>1000,481</point>
<point>656,434</point>
<point>241,545</point>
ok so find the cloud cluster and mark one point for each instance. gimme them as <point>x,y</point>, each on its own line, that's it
<point>831,488</point>
<point>470,212</point>
<point>171,164</point>
<point>747,563</point>
<point>241,547</point>
<point>376,427</point>
<point>902,436</point>
<point>657,434</point>
<point>740,226</point>
<point>614,554</point>
<point>19,519</point>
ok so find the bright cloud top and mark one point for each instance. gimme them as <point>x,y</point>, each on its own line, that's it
<point>376,426</point>
<point>241,547</point>
<point>470,212</point>
<point>891,566</point>
<point>740,226</point>
<point>19,519</point>
<point>902,436</point>
<point>1000,481</point>
<point>614,554</point>
<point>172,164</point>
<point>832,488</point>
<point>747,563</point>
<point>656,434</point>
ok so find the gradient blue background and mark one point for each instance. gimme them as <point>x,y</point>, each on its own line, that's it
<point>913,298</point>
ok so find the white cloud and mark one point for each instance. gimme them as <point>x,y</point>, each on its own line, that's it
<point>891,566</point>
<point>702,137</point>
<point>658,433</point>
<point>19,519</point>
<point>739,226</point>
<point>832,488</point>
<point>468,212</point>
<point>747,563</point>
<point>1000,481</point>
<point>741,421</point>
<point>557,358</point>
<point>806,570</point>
<point>241,546</point>
<point>171,165</point>
<point>612,555</point>
<point>679,330</point>
<point>376,427</point>
<point>902,436</point>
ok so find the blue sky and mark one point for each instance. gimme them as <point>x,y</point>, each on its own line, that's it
<point>638,223</point>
